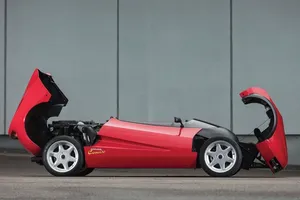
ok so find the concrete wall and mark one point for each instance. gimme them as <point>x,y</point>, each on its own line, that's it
<point>75,41</point>
<point>174,60</point>
<point>266,48</point>
<point>2,64</point>
<point>174,57</point>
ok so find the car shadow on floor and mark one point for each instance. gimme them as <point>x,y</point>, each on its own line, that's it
<point>172,176</point>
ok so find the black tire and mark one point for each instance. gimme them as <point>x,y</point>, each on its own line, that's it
<point>79,163</point>
<point>85,171</point>
<point>235,167</point>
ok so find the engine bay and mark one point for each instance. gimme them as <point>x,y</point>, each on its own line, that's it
<point>86,131</point>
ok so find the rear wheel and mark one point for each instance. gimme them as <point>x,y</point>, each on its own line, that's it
<point>63,156</point>
<point>220,157</point>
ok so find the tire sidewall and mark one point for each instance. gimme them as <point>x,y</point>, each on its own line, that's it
<point>236,166</point>
<point>80,162</point>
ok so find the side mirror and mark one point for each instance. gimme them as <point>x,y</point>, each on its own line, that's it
<point>178,120</point>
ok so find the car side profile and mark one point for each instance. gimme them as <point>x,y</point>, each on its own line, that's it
<point>76,148</point>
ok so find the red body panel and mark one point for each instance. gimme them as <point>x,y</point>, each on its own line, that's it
<point>134,145</point>
<point>17,124</point>
<point>276,145</point>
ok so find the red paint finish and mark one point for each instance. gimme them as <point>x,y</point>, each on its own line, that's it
<point>30,99</point>
<point>135,145</point>
<point>276,145</point>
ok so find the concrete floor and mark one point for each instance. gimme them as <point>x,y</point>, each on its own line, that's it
<point>21,179</point>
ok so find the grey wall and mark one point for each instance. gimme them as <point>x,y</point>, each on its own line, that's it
<point>174,57</point>
<point>266,46</point>
<point>2,60</point>
<point>75,41</point>
<point>174,60</point>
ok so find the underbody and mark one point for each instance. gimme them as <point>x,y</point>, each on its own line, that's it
<point>124,144</point>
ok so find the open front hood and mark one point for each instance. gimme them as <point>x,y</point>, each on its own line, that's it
<point>271,141</point>
<point>41,100</point>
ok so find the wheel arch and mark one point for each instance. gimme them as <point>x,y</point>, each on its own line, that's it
<point>35,122</point>
<point>206,133</point>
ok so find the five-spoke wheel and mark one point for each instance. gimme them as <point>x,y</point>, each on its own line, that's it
<point>220,156</point>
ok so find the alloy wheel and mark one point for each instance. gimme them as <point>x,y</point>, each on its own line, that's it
<point>220,156</point>
<point>62,156</point>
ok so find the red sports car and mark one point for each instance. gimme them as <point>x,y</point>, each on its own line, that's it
<point>76,148</point>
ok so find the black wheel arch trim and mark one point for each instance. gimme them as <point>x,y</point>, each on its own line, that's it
<point>207,133</point>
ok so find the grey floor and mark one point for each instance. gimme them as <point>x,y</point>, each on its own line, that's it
<point>21,179</point>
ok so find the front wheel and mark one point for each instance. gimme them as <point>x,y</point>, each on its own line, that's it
<point>220,157</point>
<point>63,156</point>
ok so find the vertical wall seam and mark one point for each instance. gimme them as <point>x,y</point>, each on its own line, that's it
<point>5,65</point>
<point>231,68</point>
<point>118,81</point>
